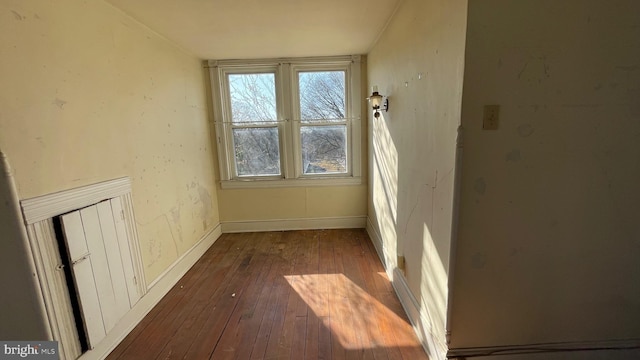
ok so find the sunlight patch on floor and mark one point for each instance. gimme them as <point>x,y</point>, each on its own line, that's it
<point>358,319</point>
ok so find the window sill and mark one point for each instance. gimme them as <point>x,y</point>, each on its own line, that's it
<point>285,183</point>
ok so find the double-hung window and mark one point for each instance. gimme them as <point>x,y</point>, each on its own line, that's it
<point>288,122</point>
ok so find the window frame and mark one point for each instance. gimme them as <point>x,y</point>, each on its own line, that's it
<point>286,72</point>
<point>229,126</point>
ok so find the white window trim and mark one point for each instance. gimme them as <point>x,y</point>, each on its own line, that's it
<point>286,83</point>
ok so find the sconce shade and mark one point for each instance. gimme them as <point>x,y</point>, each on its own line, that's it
<point>376,100</point>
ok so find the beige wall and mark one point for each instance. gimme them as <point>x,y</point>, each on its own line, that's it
<point>548,243</point>
<point>89,94</point>
<point>292,203</point>
<point>418,63</point>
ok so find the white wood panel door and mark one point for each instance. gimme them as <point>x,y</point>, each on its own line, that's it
<point>115,275</point>
<point>102,266</point>
<point>41,215</point>
<point>126,251</point>
<point>85,285</point>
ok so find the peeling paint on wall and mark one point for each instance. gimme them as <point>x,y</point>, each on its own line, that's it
<point>154,250</point>
<point>175,217</point>
<point>535,70</point>
<point>200,196</point>
<point>59,133</point>
<point>205,200</point>
<point>158,247</point>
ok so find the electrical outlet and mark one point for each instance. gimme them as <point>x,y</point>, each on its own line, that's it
<point>491,118</point>
<point>401,263</point>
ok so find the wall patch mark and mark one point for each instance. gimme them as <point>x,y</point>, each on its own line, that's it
<point>480,186</point>
<point>478,261</point>
<point>59,103</point>
<point>526,130</point>
<point>513,155</point>
<point>17,15</point>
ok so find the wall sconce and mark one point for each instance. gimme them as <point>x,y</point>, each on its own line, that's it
<point>376,102</point>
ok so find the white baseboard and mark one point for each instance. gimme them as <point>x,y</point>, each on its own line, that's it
<point>156,291</point>
<point>584,350</point>
<point>376,239</point>
<point>407,299</point>
<point>294,224</point>
<point>418,321</point>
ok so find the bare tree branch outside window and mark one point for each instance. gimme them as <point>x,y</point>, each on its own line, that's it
<point>323,130</point>
<point>253,102</point>
<point>322,99</point>
<point>322,95</point>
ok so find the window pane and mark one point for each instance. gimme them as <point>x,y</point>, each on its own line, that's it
<point>324,149</point>
<point>253,97</point>
<point>257,151</point>
<point>322,95</point>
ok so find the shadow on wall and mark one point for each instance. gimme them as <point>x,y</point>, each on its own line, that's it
<point>404,209</point>
<point>385,188</point>
<point>21,313</point>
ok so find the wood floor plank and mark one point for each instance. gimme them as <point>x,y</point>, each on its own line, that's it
<point>285,341</point>
<point>279,339</point>
<point>298,341</point>
<point>253,313</point>
<point>224,302</point>
<point>176,298</point>
<point>311,339</point>
<point>341,324</point>
<point>230,340</point>
<point>312,294</point>
<point>381,280</point>
<point>324,338</point>
<point>269,298</point>
<point>267,346</point>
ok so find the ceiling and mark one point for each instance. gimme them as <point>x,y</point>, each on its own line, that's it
<point>245,29</point>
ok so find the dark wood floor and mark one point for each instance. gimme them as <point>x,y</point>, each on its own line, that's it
<point>319,294</point>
